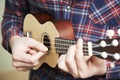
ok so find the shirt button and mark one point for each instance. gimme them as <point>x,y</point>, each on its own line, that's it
<point>67,8</point>
<point>18,13</point>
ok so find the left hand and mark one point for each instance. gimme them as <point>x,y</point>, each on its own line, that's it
<point>80,66</point>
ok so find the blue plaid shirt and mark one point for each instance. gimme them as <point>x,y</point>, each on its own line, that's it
<point>90,20</point>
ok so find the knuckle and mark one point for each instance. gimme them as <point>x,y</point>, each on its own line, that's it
<point>75,75</point>
<point>25,70</point>
<point>19,69</point>
<point>15,57</point>
<point>30,40</point>
<point>82,75</point>
<point>72,47</point>
<point>68,61</point>
<point>32,60</point>
<point>14,64</point>
<point>22,69</point>
<point>59,66</point>
<point>77,58</point>
<point>68,58</point>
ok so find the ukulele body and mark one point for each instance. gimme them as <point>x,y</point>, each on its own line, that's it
<point>46,34</point>
<point>59,36</point>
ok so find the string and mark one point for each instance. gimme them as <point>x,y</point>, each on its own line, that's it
<point>67,43</point>
<point>73,42</point>
<point>52,37</point>
<point>96,45</point>
<point>64,49</point>
<point>70,42</point>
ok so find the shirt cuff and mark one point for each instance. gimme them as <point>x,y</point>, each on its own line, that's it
<point>8,35</point>
<point>113,70</point>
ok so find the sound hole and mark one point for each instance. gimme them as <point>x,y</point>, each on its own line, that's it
<point>46,42</point>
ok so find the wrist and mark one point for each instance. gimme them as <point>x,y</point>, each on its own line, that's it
<point>12,40</point>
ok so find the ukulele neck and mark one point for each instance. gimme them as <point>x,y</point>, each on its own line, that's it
<point>62,45</point>
<point>90,49</point>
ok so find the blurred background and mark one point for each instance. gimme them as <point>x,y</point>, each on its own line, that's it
<point>7,72</point>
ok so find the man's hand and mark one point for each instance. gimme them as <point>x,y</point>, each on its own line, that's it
<point>80,66</point>
<point>26,52</point>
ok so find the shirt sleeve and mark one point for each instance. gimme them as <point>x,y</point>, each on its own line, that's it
<point>113,70</point>
<point>107,12</point>
<point>12,23</point>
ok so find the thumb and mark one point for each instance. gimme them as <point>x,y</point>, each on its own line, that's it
<point>97,61</point>
<point>36,45</point>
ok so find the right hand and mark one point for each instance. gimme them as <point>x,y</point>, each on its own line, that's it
<point>26,52</point>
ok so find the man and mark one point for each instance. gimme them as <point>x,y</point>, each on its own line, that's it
<point>90,20</point>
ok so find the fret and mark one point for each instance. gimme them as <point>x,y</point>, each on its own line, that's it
<point>104,48</point>
<point>63,44</point>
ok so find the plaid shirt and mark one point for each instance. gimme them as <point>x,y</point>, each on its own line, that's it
<point>90,20</point>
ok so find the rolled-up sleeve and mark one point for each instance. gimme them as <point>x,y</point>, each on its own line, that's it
<point>12,23</point>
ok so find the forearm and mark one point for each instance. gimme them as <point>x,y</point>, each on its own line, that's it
<point>13,20</point>
<point>9,30</point>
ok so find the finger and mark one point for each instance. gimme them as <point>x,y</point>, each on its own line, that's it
<point>61,63</point>
<point>36,44</point>
<point>70,61</point>
<point>79,53</point>
<point>27,58</point>
<point>23,69</point>
<point>80,59</point>
<point>97,66</point>
<point>81,47</point>
<point>98,61</point>
<point>28,65</point>
<point>22,57</point>
<point>32,51</point>
<point>35,58</point>
<point>18,64</point>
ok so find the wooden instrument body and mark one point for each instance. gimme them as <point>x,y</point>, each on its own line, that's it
<point>59,35</point>
<point>39,32</point>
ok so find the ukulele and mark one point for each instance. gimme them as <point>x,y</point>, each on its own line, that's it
<point>59,35</point>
